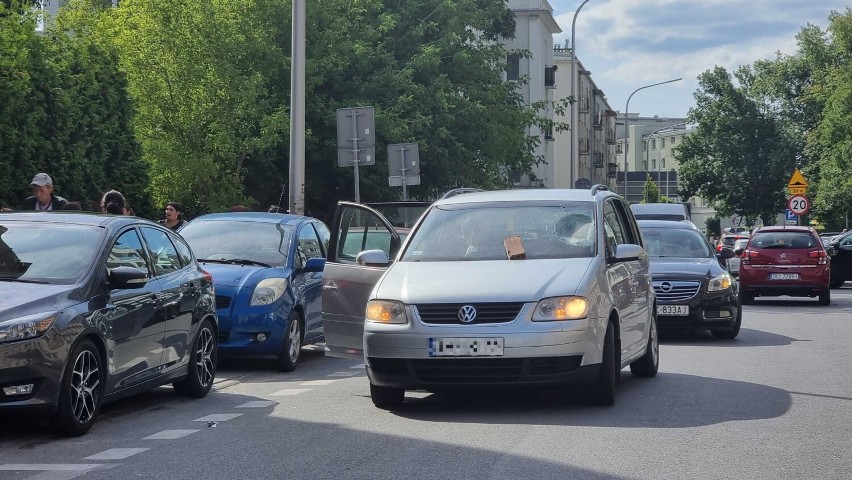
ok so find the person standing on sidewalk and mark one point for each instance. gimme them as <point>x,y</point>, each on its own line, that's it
<point>43,198</point>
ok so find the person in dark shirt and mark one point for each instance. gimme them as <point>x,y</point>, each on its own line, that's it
<point>43,198</point>
<point>113,202</point>
<point>174,218</point>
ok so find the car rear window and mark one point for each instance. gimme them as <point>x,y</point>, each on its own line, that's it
<point>781,239</point>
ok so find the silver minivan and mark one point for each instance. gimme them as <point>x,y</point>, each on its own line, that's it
<point>503,288</point>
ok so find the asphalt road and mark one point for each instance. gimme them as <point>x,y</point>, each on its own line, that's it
<point>774,403</point>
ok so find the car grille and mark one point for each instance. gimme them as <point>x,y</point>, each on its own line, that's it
<point>222,302</point>
<point>678,291</point>
<point>448,313</point>
<point>476,370</point>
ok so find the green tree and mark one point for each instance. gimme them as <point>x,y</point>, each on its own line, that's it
<point>738,156</point>
<point>651,191</point>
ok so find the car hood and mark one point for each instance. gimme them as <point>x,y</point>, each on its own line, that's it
<point>19,299</point>
<point>685,267</point>
<point>240,275</point>
<point>485,281</point>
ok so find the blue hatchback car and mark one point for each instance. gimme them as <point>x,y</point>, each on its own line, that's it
<point>267,270</point>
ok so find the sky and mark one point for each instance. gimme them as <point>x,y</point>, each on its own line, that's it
<point>627,44</point>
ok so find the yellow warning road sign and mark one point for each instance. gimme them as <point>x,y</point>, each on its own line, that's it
<point>797,190</point>
<point>797,181</point>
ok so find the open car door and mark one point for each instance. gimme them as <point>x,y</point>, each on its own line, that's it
<point>346,285</point>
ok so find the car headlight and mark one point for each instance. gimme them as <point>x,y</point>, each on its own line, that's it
<point>27,327</point>
<point>383,311</point>
<point>268,291</point>
<point>561,308</point>
<point>721,282</point>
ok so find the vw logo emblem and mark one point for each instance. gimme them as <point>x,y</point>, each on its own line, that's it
<point>666,287</point>
<point>467,314</point>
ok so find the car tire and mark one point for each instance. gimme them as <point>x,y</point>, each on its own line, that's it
<point>386,398</point>
<point>291,349</point>
<point>201,370</point>
<point>746,298</point>
<point>81,391</point>
<point>825,297</point>
<point>649,363</point>
<point>602,391</point>
<point>733,332</point>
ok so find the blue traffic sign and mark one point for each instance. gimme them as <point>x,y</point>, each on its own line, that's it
<point>790,215</point>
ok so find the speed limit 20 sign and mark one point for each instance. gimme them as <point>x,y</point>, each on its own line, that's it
<point>798,204</point>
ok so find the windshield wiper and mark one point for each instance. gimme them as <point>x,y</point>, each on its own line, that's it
<point>22,280</point>
<point>235,261</point>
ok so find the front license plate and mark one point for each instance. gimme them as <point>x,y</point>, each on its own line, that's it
<point>465,347</point>
<point>677,310</point>
<point>783,276</point>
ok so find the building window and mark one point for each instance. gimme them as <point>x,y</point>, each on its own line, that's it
<point>644,145</point>
<point>663,142</point>
<point>513,66</point>
<point>550,76</point>
<point>654,144</point>
<point>654,164</point>
<point>662,163</point>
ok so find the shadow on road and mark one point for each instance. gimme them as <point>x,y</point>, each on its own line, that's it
<point>667,401</point>
<point>747,338</point>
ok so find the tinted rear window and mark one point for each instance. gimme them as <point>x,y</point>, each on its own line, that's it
<point>783,240</point>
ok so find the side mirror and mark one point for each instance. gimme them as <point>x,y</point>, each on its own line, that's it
<point>830,251</point>
<point>726,253</point>
<point>127,277</point>
<point>372,258</point>
<point>629,252</point>
<point>316,264</point>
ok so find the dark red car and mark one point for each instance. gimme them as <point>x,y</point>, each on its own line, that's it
<point>785,261</point>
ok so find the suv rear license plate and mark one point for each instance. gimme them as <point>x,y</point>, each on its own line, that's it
<point>466,347</point>
<point>673,310</point>
<point>783,276</point>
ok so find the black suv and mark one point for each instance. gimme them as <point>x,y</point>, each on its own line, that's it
<point>841,259</point>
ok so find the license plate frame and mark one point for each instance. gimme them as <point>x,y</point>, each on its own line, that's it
<point>466,346</point>
<point>673,310</point>
<point>783,276</point>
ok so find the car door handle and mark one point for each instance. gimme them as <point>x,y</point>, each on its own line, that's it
<point>330,287</point>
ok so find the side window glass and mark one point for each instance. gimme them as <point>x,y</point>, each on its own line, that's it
<point>628,225</point>
<point>324,236</point>
<point>308,245</point>
<point>163,254</point>
<point>128,252</point>
<point>183,251</point>
<point>361,230</point>
<point>614,224</point>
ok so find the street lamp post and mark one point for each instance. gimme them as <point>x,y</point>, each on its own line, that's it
<point>573,135</point>
<point>297,111</point>
<point>627,125</point>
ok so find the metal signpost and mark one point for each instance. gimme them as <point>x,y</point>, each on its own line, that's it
<point>403,166</point>
<point>798,203</point>
<point>356,140</point>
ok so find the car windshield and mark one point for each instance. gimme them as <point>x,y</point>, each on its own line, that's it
<point>501,231</point>
<point>239,241</point>
<point>47,252</point>
<point>781,239</point>
<point>675,242</point>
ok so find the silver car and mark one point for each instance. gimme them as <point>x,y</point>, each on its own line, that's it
<point>521,287</point>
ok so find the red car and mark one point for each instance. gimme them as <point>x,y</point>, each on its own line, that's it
<point>785,261</point>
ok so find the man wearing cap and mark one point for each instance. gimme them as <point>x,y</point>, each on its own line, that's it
<point>43,198</point>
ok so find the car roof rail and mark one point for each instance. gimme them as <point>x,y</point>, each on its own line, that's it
<point>599,188</point>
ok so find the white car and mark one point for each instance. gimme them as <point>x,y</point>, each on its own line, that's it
<point>521,287</point>
<point>734,262</point>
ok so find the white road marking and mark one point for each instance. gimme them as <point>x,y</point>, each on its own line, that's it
<point>360,365</point>
<point>218,417</point>
<point>170,434</point>
<point>258,404</point>
<point>344,374</point>
<point>319,383</point>
<point>289,392</point>
<point>55,467</point>
<point>115,454</point>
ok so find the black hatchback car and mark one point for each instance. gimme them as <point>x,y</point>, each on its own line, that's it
<point>841,259</point>
<point>694,290</point>
<point>98,307</point>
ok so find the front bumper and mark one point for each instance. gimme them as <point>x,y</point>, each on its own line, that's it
<point>707,311</point>
<point>534,353</point>
<point>39,361</point>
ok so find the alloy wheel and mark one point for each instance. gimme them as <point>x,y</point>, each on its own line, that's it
<point>295,337</point>
<point>204,357</point>
<point>85,380</point>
